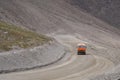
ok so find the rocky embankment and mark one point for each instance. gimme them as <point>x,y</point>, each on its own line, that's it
<point>31,58</point>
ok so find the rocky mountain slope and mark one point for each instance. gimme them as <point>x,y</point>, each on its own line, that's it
<point>106,10</point>
<point>65,17</point>
<point>41,15</point>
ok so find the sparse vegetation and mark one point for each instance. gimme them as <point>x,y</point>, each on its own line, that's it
<point>14,37</point>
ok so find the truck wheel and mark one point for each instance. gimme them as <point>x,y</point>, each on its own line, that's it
<point>84,53</point>
<point>79,53</point>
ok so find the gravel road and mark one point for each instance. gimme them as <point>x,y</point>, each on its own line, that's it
<point>75,68</point>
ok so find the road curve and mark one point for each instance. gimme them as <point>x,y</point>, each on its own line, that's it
<point>76,68</point>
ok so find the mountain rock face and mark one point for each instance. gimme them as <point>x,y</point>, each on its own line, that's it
<point>106,10</point>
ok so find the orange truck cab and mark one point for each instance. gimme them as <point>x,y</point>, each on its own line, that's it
<point>81,50</point>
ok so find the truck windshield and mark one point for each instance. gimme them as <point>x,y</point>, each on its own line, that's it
<point>82,46</point>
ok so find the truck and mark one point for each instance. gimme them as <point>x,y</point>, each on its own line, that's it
<point>81,49</point>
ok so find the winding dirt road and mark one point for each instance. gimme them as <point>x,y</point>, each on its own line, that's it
<point>76,68</point>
